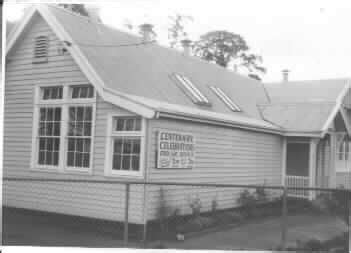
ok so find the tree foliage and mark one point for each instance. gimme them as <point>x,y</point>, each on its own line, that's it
<point>229,50</point>
<point>176,31</point>
<point>78,8</point>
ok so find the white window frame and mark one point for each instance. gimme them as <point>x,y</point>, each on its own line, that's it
<point>73,168</point>
<point>347,161</point>
<point>64,103</point>
<point>111,135</point>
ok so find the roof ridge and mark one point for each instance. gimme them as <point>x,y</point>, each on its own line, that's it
<point>114,35</point>
<point>305,81</point>
<point>72,13</point>
<point>191,57</point>
<point>297,103</point>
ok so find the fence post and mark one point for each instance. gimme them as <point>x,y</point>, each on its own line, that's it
<point>126,214</point>
<point>284,218</point>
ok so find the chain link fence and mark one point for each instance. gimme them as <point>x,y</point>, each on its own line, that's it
<point>96,213</point>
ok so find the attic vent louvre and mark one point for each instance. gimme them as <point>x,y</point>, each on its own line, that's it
<point>191,90</point>
<point>41,48</point>
<point>232,106</point>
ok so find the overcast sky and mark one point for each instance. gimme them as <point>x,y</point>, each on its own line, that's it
<point>310,38</point>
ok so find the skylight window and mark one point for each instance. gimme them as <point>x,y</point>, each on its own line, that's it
<point>191,90</point>
<point>232,106</point>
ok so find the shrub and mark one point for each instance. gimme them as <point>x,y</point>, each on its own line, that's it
<point>166,215</point>
<point>247,201</point>
<point>312,245</point>
<point>195,206</point>
<point>261,194</point>
<point>214,205</point>
<point>234,217</point>
<point>335,203</point>
<point>196,224</point>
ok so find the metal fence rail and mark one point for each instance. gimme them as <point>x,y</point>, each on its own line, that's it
<point>199,189</point>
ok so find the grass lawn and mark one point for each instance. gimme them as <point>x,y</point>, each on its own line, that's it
<point>266,235</point>
<point>23,227</point>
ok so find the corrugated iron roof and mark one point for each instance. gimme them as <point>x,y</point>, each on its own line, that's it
<point>142,73</point>
<point>298,116</point>
<point>306,91</point>
<point>302,106</point>
<point>145,70</point>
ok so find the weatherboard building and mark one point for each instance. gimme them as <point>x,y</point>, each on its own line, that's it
<point>77,110</point>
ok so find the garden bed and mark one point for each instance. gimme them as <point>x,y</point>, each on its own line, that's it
<point>253,206</point>
<point>180,227</point>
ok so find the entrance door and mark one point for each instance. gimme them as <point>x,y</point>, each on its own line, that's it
<point>297,163</point>
<point>297,167</point>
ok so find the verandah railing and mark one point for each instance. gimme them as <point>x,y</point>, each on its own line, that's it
<point>297,186</point>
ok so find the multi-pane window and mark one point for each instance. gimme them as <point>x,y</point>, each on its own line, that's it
<point>126,154</point>
<point>82,91</point>
<point>128,124</point>
<point>79,136</point>
<point>127,141</point>
<point>49,135</point>
<point>53,92</point>
<point>344,151</point>
<point>63,127</point>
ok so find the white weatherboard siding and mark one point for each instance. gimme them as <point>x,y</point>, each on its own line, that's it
<point>222,155</point>
<point>86,199</point>
<point>343,179</point>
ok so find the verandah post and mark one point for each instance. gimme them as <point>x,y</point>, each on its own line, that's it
<point>284,218</point>
<point>126,214</point>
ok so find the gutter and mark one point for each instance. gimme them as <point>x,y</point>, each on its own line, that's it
<point>151,112</point>
<point>282,132</point>
<point>179,116</point>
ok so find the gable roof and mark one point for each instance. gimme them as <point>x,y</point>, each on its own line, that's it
<point>298,117</point>
<point>138,77</point>
<point>145,70</point>
<point>306,106</point>
<point>326,90</point>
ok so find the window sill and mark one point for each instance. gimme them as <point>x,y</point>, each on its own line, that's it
<point>343,171</point>
<point>136,175</point>
<point>46,169</point>
<point>77,170</point>
<point>59,170</point>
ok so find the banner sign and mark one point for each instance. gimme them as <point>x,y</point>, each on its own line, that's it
<point>175,150</point>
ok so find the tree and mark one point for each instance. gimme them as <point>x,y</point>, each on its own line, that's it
<point>128,24</point>
<point>176,31</point>
<point>229,50</point>
<point>78,8</point>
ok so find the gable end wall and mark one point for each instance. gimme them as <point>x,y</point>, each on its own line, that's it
<point>86,199</point>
